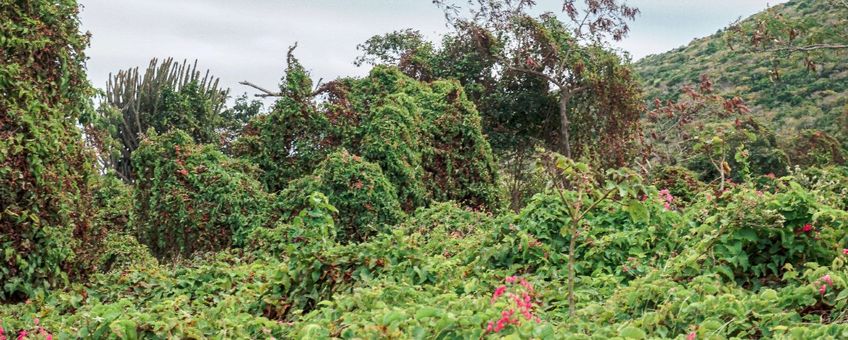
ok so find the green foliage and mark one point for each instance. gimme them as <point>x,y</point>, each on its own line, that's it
<point>644,270</point>
<point>121,252</point>
<point>811,148</point>
<point>682,183</point>
<point>426,138</point>
<point>458,163</point>
<point>759,234</point>
<point>112,202</point>
<point>366,201</point>
<point>729,152</point>
<point>45,174</point>
<point>193,198</point>
<point>370,208</point>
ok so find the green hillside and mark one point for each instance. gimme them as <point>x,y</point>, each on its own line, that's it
<point>778,85</point>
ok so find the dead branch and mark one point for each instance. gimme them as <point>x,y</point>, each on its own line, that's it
<point>266,93</point>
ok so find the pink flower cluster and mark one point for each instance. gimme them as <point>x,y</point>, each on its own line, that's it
<point>807,228</point>
<point>522,300</point>
<point>825,282</point>
<point>22,334</point>
<point>666,198</point>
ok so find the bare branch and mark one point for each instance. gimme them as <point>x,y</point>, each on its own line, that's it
<point>266,94</point>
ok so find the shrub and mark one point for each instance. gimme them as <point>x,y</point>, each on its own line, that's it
<point>193,198</point>
<point>815,148</point>
<point>121,252</point>
<point>752,236</point>
<point>112,202</point>
<point>290,140</point>
<point>366,201</point>
<point>682,183</point>
<point>748,148</point>
<point>458,161</point>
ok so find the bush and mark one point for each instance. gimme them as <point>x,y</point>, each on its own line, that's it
<point>112,202</point>
<point>680,182</point>
<point>753,237</point>
<point>813,148</point>
<point>366,201</point>
<point>459,163</point>
<point>749,148</point>
<point>193,198</point>
<point>121,252</point>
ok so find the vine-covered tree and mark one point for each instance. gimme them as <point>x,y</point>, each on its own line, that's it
<point>45,173</point>
<point>426,137</point>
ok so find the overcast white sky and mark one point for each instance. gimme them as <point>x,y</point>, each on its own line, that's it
<point>247,39</point>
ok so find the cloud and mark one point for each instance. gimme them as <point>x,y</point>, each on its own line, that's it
<point>247,40</point>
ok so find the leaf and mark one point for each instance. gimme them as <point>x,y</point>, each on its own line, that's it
<point>631,332</point>
<point>637,210</point>
<point>842,295</point>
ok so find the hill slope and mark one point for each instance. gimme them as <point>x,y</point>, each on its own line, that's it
<point>796,98</point>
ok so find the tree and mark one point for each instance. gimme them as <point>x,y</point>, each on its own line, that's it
<point>711,134</point>
<point>569,56</point>
<point>167,95</point>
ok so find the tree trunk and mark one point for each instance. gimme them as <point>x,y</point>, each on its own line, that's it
<point>564,142</point>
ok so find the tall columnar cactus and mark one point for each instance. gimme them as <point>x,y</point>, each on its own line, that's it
<point>166,95</point>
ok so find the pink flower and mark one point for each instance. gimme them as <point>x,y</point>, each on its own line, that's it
<point>498,292</point>
<point>845,251</point>
<point>822,289</point>
<point>2,333</point>
<point>43,332</point>
<point>22,335</point>
<point>666,198</point>
<point>511,279</point>
<point>692,336</point>
<point>827,280</point>
<point>526,285</point>
<point>807,227</point>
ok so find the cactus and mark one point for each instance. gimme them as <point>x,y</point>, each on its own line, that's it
<point>164,96</point>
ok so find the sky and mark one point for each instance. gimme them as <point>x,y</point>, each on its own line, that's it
<point>248,39</point>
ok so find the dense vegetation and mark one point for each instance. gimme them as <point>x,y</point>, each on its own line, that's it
<point>796,86</point>
<point>420,201</point>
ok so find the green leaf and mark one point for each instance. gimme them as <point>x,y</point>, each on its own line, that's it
<point>637,210</point>
<point>632,333</point>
